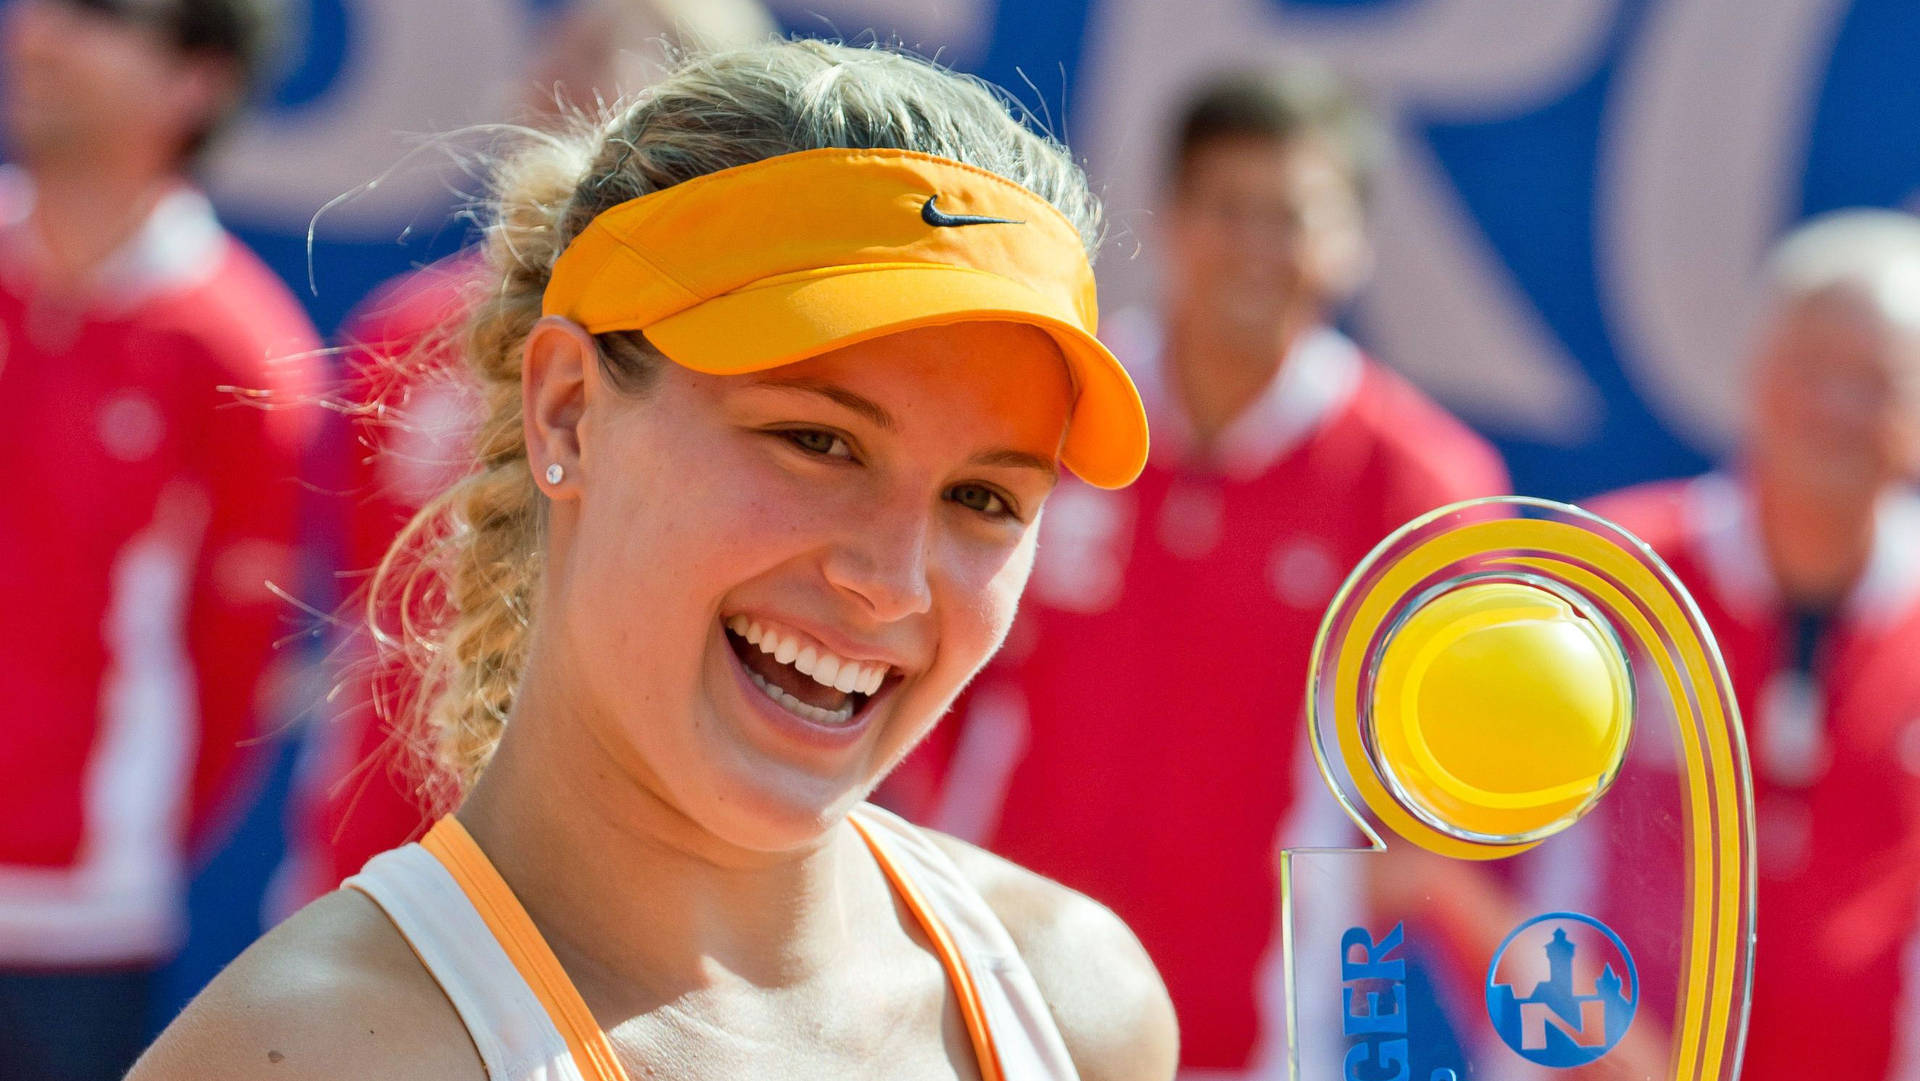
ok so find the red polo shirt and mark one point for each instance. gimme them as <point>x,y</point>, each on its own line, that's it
<point>148,509</point>
<point>1832,713</point>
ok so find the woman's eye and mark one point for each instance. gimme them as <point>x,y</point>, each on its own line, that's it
<point>979,497</point>
<point>818,441</point>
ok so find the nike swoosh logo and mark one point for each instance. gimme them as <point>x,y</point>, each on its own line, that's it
<point>934,216</point>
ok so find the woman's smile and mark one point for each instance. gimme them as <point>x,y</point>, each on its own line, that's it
<point>801,675</point>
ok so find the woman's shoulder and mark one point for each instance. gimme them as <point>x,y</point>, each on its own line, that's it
<point>1105,994</point>
<point>334,992</point>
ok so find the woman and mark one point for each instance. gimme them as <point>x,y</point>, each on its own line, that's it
<point>772,421</point>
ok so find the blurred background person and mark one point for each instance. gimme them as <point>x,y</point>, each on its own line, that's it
<point>1804,556</point>
<point>147,510</point>
<point>599,50</point>
<point>1141,740</point>
<point>364,787</point>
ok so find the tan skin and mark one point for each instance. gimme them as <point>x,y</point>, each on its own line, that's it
<point>1836,425</point>
<point>98,109</point>
<point>687,858</point>
<point>1265,238</point>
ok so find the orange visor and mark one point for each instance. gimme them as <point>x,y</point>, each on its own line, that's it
<point>765,264</point>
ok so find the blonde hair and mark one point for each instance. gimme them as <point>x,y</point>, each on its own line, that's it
<point>458,585</point>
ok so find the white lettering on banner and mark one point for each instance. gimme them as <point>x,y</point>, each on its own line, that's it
<point>417,69</point>
<point>1444,308</point>
<point>1700,167</point>
<point>957,29</point>
<point>1701,139</point>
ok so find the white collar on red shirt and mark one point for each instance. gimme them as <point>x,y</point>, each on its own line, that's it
<point>1728,537</point>
<point>179,245</point>
<point>1320,374</point>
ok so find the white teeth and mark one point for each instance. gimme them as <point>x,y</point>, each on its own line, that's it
<point>851,676</point>
<point>826,669</point>
<point>795,706</point>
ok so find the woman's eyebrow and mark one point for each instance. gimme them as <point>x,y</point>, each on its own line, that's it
<point>1018,459</point>
<point>864,406</point>
<point>878,415</point>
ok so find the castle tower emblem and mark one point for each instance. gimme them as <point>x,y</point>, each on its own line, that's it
<point>1575,1010</point>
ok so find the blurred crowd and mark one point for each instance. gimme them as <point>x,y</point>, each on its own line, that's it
<point>181,443</point>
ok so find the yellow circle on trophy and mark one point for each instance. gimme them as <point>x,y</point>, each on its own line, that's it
<point>1500,710</point>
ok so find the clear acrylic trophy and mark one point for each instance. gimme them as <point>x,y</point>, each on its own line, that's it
<point>1525,717</point>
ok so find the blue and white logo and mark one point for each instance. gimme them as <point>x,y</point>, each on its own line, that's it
<point>1562,989</point>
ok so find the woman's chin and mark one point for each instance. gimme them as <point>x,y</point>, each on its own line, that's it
<point>779,810</point>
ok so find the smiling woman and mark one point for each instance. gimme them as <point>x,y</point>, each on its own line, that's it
<point>808,334</point>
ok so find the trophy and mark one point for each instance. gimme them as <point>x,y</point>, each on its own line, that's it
<point>1526,719</point>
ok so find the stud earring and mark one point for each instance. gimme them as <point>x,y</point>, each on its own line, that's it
<point>554,473</point>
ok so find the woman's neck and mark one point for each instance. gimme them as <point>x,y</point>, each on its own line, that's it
<point>642,905</point>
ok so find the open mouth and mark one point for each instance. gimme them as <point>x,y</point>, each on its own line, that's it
<point>800,676</point>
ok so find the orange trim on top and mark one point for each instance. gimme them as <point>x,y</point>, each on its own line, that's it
<point>972,1011</point>
<point>455,848</point>
<point>533,959</point>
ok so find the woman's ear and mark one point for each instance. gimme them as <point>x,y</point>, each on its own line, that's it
<point>559,369</point>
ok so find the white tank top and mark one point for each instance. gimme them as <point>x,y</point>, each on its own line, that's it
<point>530,1024</point>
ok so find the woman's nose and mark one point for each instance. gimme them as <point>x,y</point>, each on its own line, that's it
<point>884,563</point>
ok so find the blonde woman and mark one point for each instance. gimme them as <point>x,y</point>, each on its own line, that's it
<point>782,364</point>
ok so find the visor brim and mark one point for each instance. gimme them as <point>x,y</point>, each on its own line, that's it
<point>779,322</point>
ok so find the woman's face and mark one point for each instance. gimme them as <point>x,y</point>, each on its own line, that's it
<point>762,590</point>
